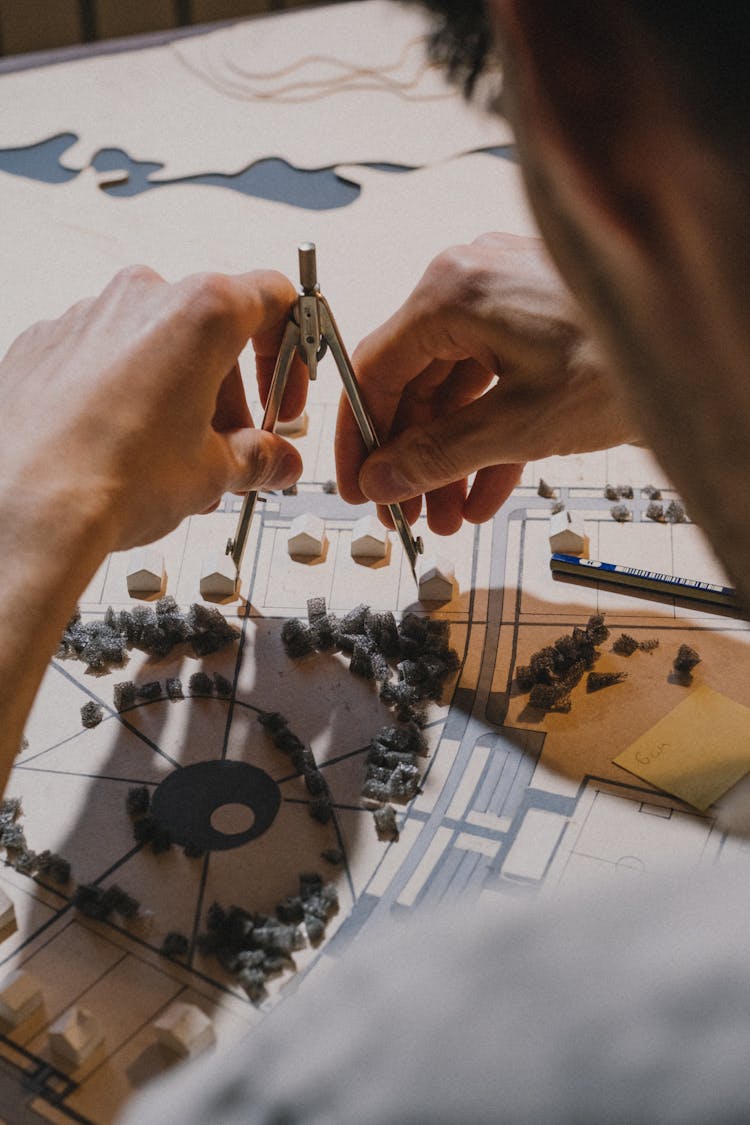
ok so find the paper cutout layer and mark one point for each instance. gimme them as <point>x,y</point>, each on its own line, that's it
<point>697,752</point>
<point>359,82</point>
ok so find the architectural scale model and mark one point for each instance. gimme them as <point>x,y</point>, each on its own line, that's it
<point>201,826</point>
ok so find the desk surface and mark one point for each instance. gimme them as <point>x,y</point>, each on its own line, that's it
<point>512,802</point>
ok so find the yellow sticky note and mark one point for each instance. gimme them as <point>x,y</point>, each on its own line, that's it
<point>696,752</point>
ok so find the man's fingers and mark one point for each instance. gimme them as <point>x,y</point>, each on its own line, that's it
<point>222,313</point>
<point>263,300</point>
<point>491,488</point>
<point>425,458</point>
<point>410,510</point>
<point>445,507</point>
<point>259,459</point>
<point>350,452</point>
<point>274,296</point>
<point>232,411</point>
<point>295,392</point>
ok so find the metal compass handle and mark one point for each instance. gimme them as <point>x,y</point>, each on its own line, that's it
<point>311,331</point>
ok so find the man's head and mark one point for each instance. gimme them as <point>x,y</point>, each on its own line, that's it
<point>631,123</point>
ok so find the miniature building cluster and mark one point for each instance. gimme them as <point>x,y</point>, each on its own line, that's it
<point>75,1034</point>
<point>416,648</point>
<point>303,760</point>
<point>618,492</point>
<point>127,693</point>
<point>96,902</point>
<point>369,543</point>
<point>102,645</point>
<point>254,946</point>
<point>146,829</point>
<point>393,772</point>
<point>17,852</point>
<point>554,671</point>
<point>673,513</point>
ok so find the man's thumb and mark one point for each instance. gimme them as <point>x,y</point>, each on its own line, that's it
<point>262,460</point>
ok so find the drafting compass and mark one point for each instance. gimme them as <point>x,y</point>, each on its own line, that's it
<point>311,331</point>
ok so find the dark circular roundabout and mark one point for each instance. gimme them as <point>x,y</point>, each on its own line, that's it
<point>187,799</point>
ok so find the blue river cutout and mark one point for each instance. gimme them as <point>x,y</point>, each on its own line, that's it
<point>320,189</point>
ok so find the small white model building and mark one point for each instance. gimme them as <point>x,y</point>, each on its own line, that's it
<point>307,536</point>
<point>369,539</point>
<point>436,578</point>
<point>75,1035</point>
<point>7,911</point>
<point>185,1029</point>
<point>295,427</point>
<point>218,577</point>
<point>145,571</point>
<point>567,535</point>
<point>20,995</point>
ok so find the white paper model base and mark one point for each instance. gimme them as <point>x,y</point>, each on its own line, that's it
<point>185,1030</point>
<point>75,1035</point>
<point>20,996</point>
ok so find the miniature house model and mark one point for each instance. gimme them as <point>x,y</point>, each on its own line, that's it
<point>295,427</point>
<point>307,536</point>
<point>185,1029</point>
<point>567,536</point>
<point>435,576</point>
<point>75,1035</point>
<point>7,912</point>
<point>218,577</point>
<point>145,571</point>
<point>369,539</point>
<point>20,995</point>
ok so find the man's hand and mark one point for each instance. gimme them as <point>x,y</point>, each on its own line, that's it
<point>130,408</point>
<point>486,366</point>
<point>118,420</point>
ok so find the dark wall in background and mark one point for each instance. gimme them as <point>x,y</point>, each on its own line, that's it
<point>39,25</point>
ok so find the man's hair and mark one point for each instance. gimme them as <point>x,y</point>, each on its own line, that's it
<point>461,40</point>
<point>708,42</point>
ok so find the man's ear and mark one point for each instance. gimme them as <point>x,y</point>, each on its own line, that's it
<point>585,87</point>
